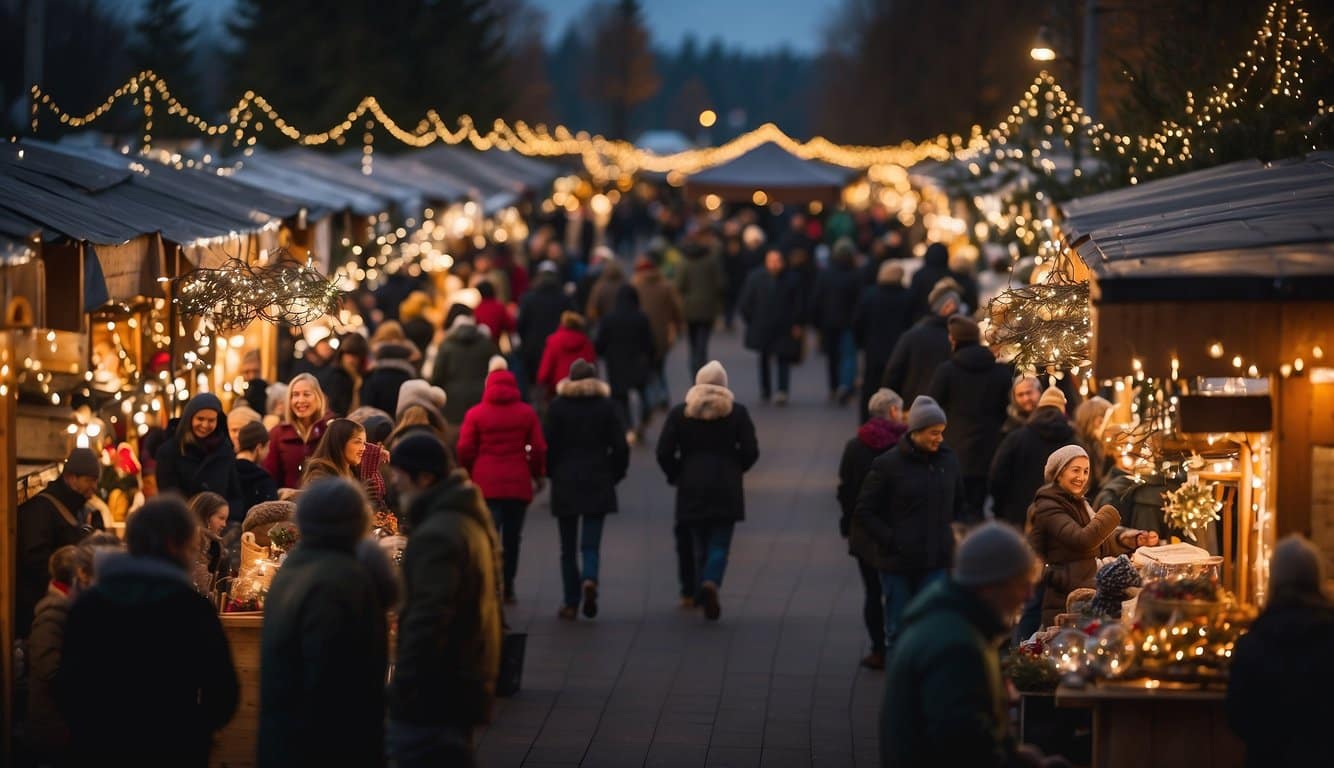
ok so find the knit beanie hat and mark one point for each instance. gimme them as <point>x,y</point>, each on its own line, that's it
<point>419,392</point>
<point>251,436</point>
<point>333,513</point>
<point>925,412</point>
<point>1058,460</point>
<point>582,369</point>
<point>713,373</point>
<point>1295,566</point>
<point>992,553</point>
<point>421,452</point>
<point>82,462</point>
<point>964,330</point>
<point>1052,396</point>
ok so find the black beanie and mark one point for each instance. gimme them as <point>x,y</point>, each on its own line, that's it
<point>421,452</point>
<point>582,369</point>
<point>332,514</point>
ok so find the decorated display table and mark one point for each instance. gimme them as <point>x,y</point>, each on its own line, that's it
<point>1148,724</point>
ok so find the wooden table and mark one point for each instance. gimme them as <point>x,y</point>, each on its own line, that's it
<point>1152,727</point>
<point>234,746</point>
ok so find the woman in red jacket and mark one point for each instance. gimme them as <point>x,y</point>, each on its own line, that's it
<point>293,441</point>
<point>566,344</point>
<point>502,446</point>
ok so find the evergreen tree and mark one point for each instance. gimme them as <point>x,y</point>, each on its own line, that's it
<point>163,42</point>
<point>621,75</point>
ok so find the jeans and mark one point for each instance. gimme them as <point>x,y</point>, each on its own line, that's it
<point>508,515</point>
<point>656,391</point>
<point>420,746</point>
<point>873,609</point>
<point>587,549</point>
<point>899,589</point>
<point>840,351</point>
<point>698,338</point>
<point>711,542</point>
<point>685,559</point>
<point>622,400</point>
<point>784,374</point>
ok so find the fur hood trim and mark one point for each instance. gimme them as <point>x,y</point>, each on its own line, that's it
<point>708,402</point>
<point>583,388</point>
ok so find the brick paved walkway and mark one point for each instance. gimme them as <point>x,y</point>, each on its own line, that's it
<point>774,683</point>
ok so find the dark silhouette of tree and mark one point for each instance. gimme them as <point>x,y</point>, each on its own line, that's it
<point>164,43</point>
<point>621,73</point>
<point>84,61</point>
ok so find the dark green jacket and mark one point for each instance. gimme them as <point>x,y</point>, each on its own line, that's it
<point>461,365</point>
<point>945,701</point>
<point>702,285</point>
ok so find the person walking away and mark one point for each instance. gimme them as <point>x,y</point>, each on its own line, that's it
<point>935,267</point>
<point>974,390</point>
<point>199,456</point>
<point>1024,396</point>
<point>662,304</point>
<point>324,647</point>
<point>502,447</point>
<point>625,343</point>
<point>539,316</point>
<point>880,433</point>
<point>168,647</point>
<point>602,294</point>
<point>707,444</point>
<point>493,315</point>
<point>1021,458</point>
<point>1285,658</point>
<point>461,364</point>
<point>342,380</point>
<point>770,305</point>
<point>909,501</point>
<point>946,702</point>
<point>45,730</point>
<point>450,624</point>
<point>413,315</point>
<point>1068,535</point>
<point>833,305</point>
<point>569,343</point>
<point>921,350</point>
<point>702,285</point>
<point>587,456</point>
<point>294,440</point>
<point>54,518</point>
<point>393,361</point>
<point>880,318</point>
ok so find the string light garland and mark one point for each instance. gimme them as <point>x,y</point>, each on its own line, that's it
<point>236,294</point>
<point>1044,328</point>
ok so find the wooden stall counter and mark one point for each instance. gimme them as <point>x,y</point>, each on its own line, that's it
<point>234,746</point>
<point>1147,724</point>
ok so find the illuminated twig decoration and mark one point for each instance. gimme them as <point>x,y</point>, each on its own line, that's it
<point>1044,328</point>
<point>237,293</point>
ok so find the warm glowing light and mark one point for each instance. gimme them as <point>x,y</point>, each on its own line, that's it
<point>759,198</point>
<point>707,118</point>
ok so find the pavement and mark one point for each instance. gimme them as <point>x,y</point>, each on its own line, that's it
<point>775,682</point>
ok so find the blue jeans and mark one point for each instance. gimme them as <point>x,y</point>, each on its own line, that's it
<point>784,374</point>
<point>508,515</point>
<point>711,541</point>
<point>840,349</point>
<point>419,746</point>
<point>899,589</point>
<point>588,549</point>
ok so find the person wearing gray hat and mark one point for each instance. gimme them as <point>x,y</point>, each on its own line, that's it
<point>945,699</point>
<point>48,521</point>
<point>907,506</point>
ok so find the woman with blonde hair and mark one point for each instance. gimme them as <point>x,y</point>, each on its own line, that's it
<point>294,440</point>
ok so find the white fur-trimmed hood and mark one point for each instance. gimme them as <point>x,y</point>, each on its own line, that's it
<point>708,402</point>
<point>583,388</point>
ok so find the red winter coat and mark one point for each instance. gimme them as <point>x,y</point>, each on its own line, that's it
<point>288,452</point>
<point>495,317</point>
<point>564,346</point>
<point>501,442</point>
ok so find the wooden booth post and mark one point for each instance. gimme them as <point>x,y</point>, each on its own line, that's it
<point>8,534</point>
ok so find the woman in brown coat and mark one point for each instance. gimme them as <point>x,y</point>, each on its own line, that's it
<point>1068,535</point>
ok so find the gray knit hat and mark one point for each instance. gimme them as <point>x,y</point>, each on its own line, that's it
<point>1058,460</point>
<point>1296,566</point>
<point>992,553</point>
<point>582,369</point>
<point>925,412</point>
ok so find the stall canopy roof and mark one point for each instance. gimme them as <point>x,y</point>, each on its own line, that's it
<point>782,176</point>
<point>1241,231</point>
<point>406,198</point>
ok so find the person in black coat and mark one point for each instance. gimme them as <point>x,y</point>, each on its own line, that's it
<point>341,381</point>
<point>539,317</point>
<point>880,319</point>
<point>921,350</point>
<point>974,390</point>
<point>935,267</point>
<point>772,306</point>
<point>257,485</point>
<point>587,456</point>
<point>907,506</point>
<point>624,341</point>
<point>324,650</point>
<point>170,654</point>
<point>200,456</point>
<point>1285,658</point>
<point>394,363</point>
<point>833,306</point>
<point>1020,460</point>
<point>707,444</point>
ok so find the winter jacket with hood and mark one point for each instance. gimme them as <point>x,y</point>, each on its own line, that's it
<point>1070,537</point>
<point>706,445</point>
<point>906,506</point>
<point>288,452</point>
<point>460,368</point>
<point>449,627</point>
<point>563,347</point>
<point>873,438</point>
<point>625,343</point>
<point>1020,460</point>
<point>917,355</point>
<point>171,656</point>
<point>660,301</point>
<point>946,702</point>
<point>539,316</point>
<point>395,363</point>
<point>190,465</point>
<point>974,390</point>
<point>702,285</point>
<point>586,450</point>
<point>495,317</point>
<point>47,732</point>
<point>501,442</point>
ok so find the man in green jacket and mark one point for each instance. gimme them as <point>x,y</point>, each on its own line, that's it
<point>946,703</point>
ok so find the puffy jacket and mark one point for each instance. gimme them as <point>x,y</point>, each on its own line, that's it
<point>495,317</point>
<point>197,465</point>
<point>501,442</point>
<point>461,367</point>
<point>873,438</point>
<point>906,505</point>
<point>1070,537</point>
<point>288,452</point>
<point>706,445</point>
<point>974,390</point>
<point>1020,460</point>
<point>586,450</point>
<point>563,347</point>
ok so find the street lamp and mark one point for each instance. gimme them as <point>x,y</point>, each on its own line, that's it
<point>1042,49</point>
